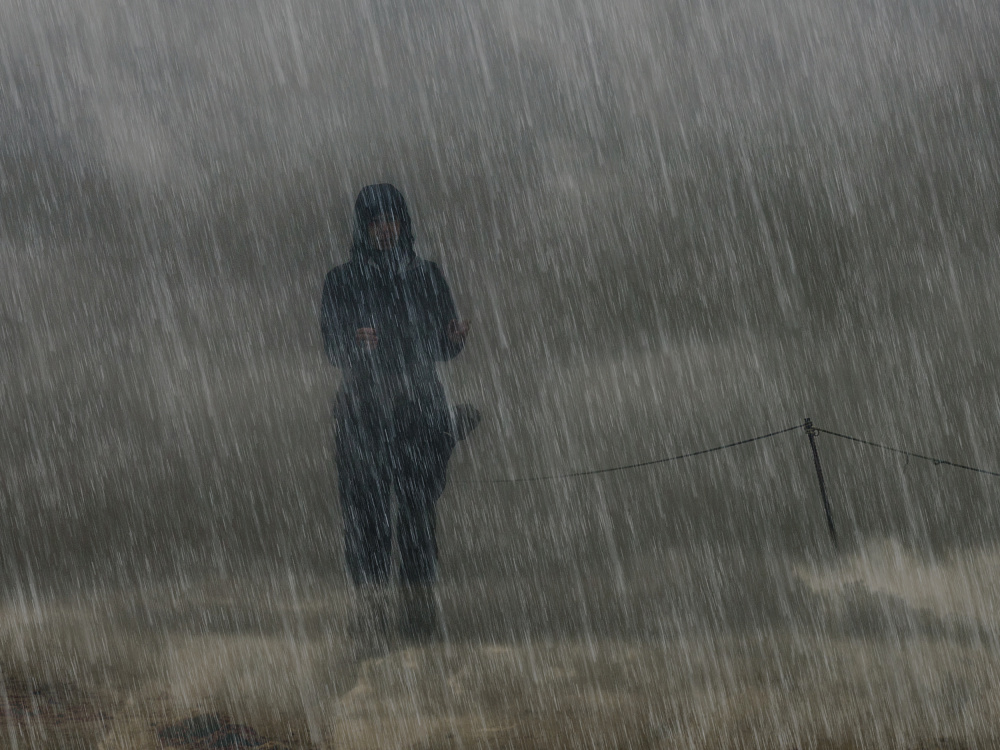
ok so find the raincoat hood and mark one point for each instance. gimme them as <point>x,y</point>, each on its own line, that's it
<point>381,200</point>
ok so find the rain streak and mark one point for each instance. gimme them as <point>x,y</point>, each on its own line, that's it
<point>568,374</point>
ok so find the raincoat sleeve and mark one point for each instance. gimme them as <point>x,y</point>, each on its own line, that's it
<point>444,313</point>
<point>338,338</point>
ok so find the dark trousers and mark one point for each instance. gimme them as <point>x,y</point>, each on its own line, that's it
<point>382,453</point>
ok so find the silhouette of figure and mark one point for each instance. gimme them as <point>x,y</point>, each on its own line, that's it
<point>387,318</point>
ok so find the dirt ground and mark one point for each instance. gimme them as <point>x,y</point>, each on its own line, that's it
<point>276,667</point>
<point>543,695</point>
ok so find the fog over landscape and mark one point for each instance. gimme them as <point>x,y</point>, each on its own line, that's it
<point>672,225</point>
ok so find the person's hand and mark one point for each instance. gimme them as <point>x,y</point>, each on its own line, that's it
<point>457,331</point>
<point>367,338</point>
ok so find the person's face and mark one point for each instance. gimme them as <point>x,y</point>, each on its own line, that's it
<point>384,232</point>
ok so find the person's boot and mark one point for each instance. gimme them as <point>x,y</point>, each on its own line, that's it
<point>419,616</point>
<point>370,621</point>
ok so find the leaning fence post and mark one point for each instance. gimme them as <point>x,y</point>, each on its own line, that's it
<point>812,432</point>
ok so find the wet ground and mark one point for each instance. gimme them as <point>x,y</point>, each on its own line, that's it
<point>546,697</point>
<point>876,652</point>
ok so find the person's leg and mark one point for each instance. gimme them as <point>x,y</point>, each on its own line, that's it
<point>421,476</point>
<point>422,472</point>
<point>365,493</point>
<point>365,496</point>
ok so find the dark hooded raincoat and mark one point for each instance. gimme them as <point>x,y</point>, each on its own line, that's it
<point>394,433</point>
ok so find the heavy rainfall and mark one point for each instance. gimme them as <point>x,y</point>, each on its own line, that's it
<point>672,225</point>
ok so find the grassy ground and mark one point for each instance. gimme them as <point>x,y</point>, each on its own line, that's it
<point>281,671</point>
<point>568,695</point>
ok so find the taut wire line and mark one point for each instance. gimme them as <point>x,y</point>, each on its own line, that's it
<point>911,454</point>
<point>591,472</point>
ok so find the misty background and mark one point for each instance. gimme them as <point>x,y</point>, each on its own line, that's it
<point>671,224</point>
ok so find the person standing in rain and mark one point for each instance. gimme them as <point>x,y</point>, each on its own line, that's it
<point>387,318</point>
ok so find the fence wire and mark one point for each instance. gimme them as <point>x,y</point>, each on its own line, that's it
<point>910,454</point>
<point>626,467</point>
<point>806,426</point>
